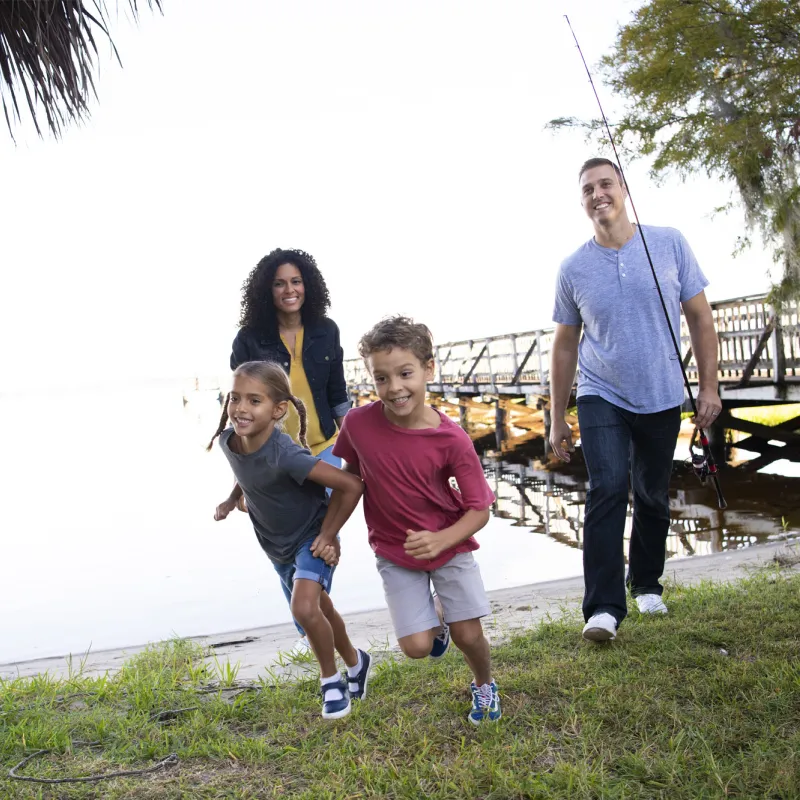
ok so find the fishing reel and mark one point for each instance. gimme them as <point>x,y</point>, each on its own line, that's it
<point>703,464</point>
<point>700,465</point>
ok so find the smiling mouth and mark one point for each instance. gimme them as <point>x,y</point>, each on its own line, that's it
<point>400,402</point>
<point>601,206</point>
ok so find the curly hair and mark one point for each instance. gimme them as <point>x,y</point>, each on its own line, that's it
<point>258,308</point>
<point>401,332</point>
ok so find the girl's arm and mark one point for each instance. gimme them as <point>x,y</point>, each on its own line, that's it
<point>347,491</point>
<point>227,505</point>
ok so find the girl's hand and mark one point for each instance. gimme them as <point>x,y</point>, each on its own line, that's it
<point>330,555</point>
<point>424,545</point>
<point>223,509</point>
<point>321,544</point>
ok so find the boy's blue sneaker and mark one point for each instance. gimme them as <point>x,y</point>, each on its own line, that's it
<point>335,709</point>
<point>485,703</point>
<point>357,684</point>
<point>441,644</point>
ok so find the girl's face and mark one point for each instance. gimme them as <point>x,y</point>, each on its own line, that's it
<point>250,408</point>
<point>288,291</point>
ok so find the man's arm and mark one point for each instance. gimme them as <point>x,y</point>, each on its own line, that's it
<point>705,346</point>
<point>563,365</point>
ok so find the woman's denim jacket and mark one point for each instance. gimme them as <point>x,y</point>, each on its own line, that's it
<point>322,362</point>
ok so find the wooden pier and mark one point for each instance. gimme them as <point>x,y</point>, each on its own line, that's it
<point>499,385</point>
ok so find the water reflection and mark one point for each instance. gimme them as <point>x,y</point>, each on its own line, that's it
<point>760,507</point>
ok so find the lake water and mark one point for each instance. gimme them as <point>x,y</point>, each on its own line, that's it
<point>109,538</point>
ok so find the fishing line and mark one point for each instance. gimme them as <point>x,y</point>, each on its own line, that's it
<point>703,463</point>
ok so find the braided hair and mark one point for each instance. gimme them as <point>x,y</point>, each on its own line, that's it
<point>279,390</point>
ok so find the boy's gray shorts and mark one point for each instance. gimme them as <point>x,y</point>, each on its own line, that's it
<point>458,584</point>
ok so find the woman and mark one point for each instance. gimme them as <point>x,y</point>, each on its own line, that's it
<point>283,320</point>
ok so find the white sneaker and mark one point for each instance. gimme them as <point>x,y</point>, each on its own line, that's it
<point>301,647</point>
<point>651,604</point>
<point>601,627</point>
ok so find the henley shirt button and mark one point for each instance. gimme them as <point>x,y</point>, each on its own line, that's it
<point>285,363</point>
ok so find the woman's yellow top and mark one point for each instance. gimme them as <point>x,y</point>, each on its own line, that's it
<point>301,388</point>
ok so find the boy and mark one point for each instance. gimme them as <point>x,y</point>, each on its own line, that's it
<point>420,528</point>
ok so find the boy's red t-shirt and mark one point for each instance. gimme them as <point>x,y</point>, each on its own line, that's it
<point>406,476</point>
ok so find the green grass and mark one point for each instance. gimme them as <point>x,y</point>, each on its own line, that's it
<point>768,415</point>
<point>704,703</point>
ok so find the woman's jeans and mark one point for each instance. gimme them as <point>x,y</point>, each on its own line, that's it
<point>618,444</point>
<point>329,458</point>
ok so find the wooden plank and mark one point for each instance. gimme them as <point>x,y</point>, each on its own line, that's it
<point>521,367</point>
<point>756,429</point>
<point>756,357</point>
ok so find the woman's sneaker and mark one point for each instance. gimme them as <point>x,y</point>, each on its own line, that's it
<point>302,647</point>
<point>441,644</point>
<point>357,684</point>
<point>339,707</point>
<point>485,703</point>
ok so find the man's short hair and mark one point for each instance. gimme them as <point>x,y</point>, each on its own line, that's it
<point>601,162</point>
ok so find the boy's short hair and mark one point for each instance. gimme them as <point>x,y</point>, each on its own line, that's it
<point>400,332</point>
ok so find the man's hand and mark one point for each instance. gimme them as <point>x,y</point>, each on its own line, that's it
<point>424,545</point>
<point>560,432</point>
<point>223,509</point>
<point>327,549</point>
<point>709,407</point>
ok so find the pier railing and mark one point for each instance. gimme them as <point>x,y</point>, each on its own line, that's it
<point>757,348</point>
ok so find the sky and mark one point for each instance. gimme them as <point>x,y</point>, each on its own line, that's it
<point>401,143</point>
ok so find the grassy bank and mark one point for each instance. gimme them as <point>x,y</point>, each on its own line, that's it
<point>702,703</point>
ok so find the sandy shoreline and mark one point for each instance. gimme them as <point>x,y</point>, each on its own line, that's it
<point>512,609</point>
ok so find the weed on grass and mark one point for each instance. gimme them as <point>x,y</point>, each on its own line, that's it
<point>702,703</point>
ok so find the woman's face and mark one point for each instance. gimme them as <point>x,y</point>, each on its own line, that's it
<point>288,291</point>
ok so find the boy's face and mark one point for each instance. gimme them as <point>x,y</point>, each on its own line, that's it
<point>401,382</point>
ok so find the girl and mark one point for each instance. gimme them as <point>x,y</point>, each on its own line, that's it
<point>297,527</point>
<point>284,320</point>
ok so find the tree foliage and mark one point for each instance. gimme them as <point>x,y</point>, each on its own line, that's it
<point>714,86</point>
<point>47,54</point>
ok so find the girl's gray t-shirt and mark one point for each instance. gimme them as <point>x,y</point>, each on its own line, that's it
<point>285,508</point>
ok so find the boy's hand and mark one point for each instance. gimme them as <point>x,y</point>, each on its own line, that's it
<point>323,543</point>
<point>424,545</point>
<point>223,509</point>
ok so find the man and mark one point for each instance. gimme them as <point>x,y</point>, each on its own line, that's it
<point>630,389</point>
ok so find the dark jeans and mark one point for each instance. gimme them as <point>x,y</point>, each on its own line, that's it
<point>617,443</point>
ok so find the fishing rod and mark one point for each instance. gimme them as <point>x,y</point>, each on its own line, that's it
<point>703,462</point>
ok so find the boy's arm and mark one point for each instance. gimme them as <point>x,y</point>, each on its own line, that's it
<point>428,545</point>
<point>347,491</point>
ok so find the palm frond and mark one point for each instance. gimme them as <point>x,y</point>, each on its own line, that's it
<point>47,56</point>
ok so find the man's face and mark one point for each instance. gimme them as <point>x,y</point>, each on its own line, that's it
<point>602,196</point>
